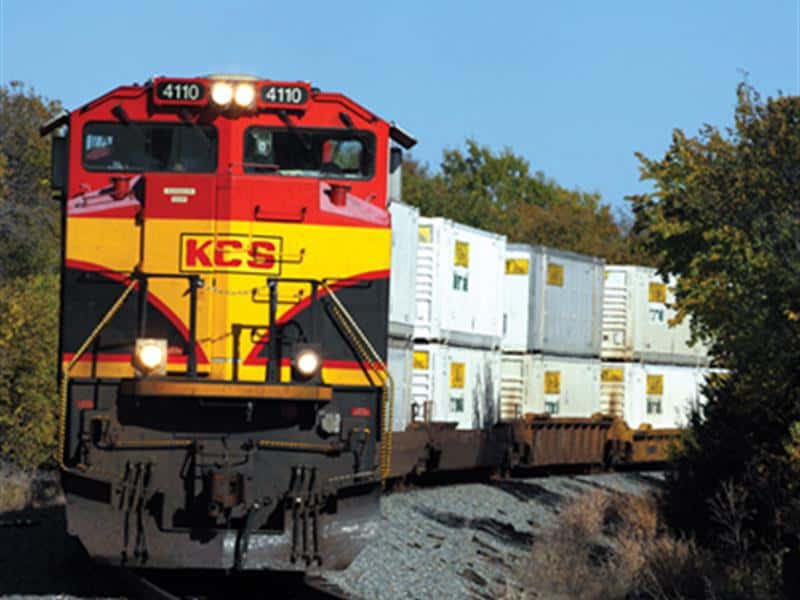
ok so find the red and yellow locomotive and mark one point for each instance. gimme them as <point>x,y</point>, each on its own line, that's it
<point>224,315</point>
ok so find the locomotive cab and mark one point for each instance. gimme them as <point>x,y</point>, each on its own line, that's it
<point>224,306</point>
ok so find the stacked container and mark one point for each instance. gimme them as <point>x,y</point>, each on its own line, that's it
<point>456,370</point>
<point>456,384</point>
<point>659,395</point>
<point>552,310</point>
<point>402,308</point>
<point>636,316</point>
<point>650,372</point>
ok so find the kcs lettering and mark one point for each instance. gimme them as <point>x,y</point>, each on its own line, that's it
<point>254,254</point>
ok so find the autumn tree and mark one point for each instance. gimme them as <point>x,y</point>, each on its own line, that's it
<point>28,341</point>
<point>724,216</point>
<point>29,226</point>
<point>29,248</point>
<point>498,192</point>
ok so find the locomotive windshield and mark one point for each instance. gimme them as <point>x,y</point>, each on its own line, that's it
<point>150,147</point>
<point>337,154</point>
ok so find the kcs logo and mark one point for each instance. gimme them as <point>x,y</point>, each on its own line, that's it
<point>237,253</point>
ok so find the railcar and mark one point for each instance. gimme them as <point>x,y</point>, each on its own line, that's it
<point>224,291</point>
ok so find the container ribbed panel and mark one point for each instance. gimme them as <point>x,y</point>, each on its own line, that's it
<point>422,394</point>
<point>615,321</point>
<point>512,388</point>
<point>612,398</point>
<point>424,289</point>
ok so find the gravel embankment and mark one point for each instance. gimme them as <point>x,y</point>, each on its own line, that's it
<point>465,541</point>
<point>457,541</point>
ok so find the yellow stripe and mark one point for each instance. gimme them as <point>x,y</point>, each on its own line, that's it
<point>309,251</point>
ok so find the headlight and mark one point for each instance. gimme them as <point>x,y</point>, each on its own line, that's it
<point>150,356</point>
<point>221,93</point>
<point>307,362</point>
<point>245,94</point>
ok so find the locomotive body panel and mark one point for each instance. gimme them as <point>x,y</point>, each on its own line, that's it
<point>249,249</point>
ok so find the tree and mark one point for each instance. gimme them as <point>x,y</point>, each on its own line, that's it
<point>28,338</point>
<point>498,192</point>
<point>29,225</point>
<point>725,218</point>
<point>29,249</point>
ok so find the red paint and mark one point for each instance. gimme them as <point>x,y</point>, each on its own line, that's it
<point>254,359</point>
<point>360,411</point>
<point>84,404</point>
<point>160,305</point>
<point>220,252</point>
<point>338,194</point>
<point>196,254</point>
<point>109,357</point>
<point>262,255</point>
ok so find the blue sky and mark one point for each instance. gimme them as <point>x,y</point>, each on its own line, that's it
<point>574,87</point>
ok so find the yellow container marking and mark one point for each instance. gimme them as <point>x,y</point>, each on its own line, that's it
<point>420,360</point>
<point>425,234</point>
<point>457,370</point>
<point>657,292</point>
<point>552,382</point>
<point>555,274</point>
<point>612,374</point>
<point>655,385</point>
<point>517,266</point>
<point>461,255</point>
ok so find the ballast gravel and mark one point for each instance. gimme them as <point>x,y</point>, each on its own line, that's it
<point>456,541</point>
<point>464,541</point>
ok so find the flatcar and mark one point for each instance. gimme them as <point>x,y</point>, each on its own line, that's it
<point>224,292</point>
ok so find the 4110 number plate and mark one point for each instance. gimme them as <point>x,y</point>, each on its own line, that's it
<point>284,94</point>
<point>180,91</point>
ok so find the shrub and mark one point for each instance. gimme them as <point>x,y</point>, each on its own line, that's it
<point>28,358</point>
<point>612,546</point>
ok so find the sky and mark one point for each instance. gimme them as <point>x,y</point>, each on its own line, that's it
<point>576,88</point>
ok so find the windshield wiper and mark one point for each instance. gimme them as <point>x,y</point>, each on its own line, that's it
<point>187,118</point>
<point>284,116</point>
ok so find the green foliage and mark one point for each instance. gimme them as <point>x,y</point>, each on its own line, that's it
<point>29,250</point>
<point>498,192</point>
<point>28,217</point>
<point>725,218</point>
<point>28,337</point>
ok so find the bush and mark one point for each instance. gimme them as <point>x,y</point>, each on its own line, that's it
<point>614,546</point>
<point>28,362</point>
<point>15,488</point>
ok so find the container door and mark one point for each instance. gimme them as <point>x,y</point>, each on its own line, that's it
<point>616,326</point>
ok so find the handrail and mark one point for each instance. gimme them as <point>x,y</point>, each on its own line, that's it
<point>62,426</point>
<point>383,372</point>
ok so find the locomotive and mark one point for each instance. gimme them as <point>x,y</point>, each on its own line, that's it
<point>224,292</point>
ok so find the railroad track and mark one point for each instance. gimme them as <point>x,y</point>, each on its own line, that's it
<point>156,586</point>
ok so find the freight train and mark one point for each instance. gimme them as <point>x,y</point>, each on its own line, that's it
<point>225,399</point>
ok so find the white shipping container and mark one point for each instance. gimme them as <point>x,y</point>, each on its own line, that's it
<point>552,301</point>
<point>459,284</point>
<point>399,363</point>
<point>660,395</point>
<point>636,317</point>
<point>402,278</point>
<point>456,384</point>
<point>561,386</point>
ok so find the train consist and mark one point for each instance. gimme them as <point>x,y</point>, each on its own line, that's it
<point>226,322</point>
<point>511,355</point>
